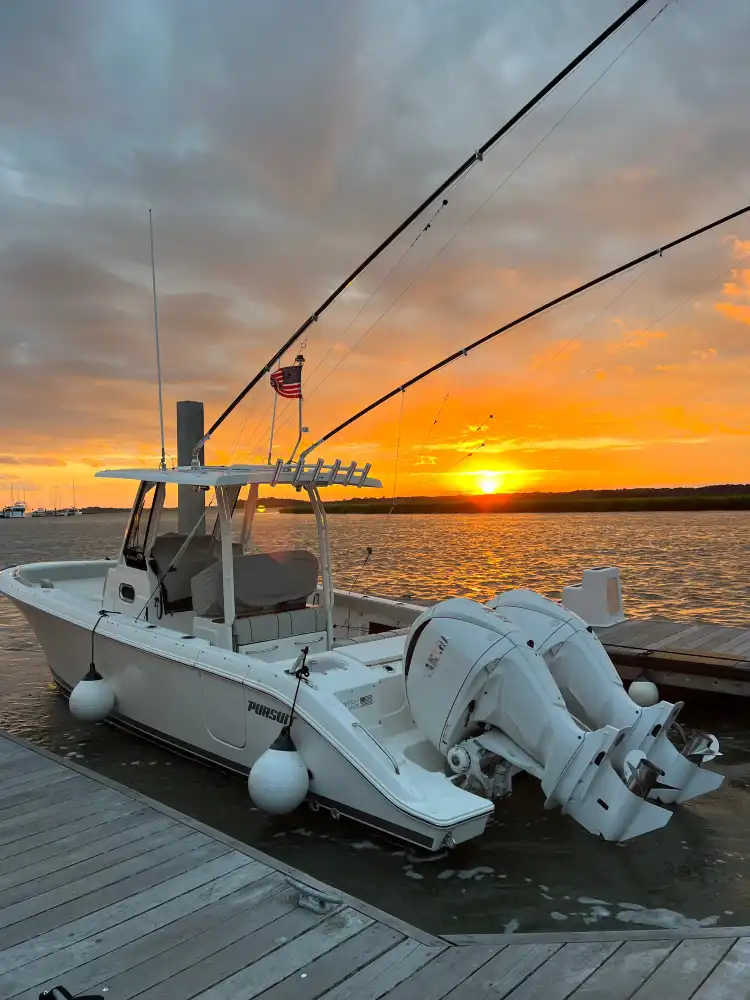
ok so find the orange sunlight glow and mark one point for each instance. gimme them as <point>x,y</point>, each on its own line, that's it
<point>489,482</point>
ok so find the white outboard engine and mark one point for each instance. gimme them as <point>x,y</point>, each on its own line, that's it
<point>484,697</point>
<point>595,695</point>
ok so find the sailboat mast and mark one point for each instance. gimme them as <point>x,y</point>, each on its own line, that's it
<point>658,252</point>
<point>476,157</point>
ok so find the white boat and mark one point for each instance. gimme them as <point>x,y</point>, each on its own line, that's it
<point>412,720</point>
<point>40,512</point>
<point>15,509</point>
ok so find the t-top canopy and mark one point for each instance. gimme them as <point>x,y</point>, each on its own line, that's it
<point>282,474</point>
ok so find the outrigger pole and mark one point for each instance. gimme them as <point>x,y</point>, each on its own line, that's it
<point>658,252</point>
<point>476,157</point>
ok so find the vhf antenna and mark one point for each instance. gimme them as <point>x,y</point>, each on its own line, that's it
<point>163,463</point>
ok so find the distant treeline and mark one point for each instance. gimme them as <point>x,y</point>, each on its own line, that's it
<point>721,497</point>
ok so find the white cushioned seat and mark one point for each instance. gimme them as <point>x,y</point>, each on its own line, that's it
<point>265,581</point>
<point>202,551</point>
<point>279,625</point>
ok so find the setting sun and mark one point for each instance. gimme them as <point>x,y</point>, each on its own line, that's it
<point>492,481</point>
<point>489,482</point>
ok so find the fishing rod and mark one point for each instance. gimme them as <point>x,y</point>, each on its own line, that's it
<point>658,252</point>
<point>476,157</point>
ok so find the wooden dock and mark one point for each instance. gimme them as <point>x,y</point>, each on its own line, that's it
<point>106,892</point>
<point>695,655</point>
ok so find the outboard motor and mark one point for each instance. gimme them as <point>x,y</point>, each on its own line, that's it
<point>595,695</point>
<point>484,697</point>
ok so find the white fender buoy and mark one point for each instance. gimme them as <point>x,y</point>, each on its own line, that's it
<point>644,693</point>
<point>278,781</point>
<point>92,699</point>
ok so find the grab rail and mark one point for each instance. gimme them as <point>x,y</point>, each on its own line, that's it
<point>376,741</point>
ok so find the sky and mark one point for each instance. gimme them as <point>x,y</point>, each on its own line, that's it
<point>278,143</point>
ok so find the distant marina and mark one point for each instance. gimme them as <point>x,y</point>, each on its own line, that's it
<point>19,508</point>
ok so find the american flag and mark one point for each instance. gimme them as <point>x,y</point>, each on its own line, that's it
<point>288,381</point>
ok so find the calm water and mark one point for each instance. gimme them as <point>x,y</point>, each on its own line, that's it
<point>531,870</point>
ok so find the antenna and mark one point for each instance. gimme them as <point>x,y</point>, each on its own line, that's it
<point>163,463</point>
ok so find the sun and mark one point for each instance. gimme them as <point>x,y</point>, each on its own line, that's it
<point>489,482</point>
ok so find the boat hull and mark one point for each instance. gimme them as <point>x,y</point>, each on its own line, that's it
<point>228,721</point>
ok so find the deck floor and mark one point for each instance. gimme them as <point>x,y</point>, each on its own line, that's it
<point>700,655</point>
<point>105,892</point>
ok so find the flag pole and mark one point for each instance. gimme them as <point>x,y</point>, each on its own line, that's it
<point>273,422</point>
<point>299,360</point>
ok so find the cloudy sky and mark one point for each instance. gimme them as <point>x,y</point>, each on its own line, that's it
<point>278,142</point>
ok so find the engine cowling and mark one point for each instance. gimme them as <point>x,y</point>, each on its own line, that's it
<point>453,672</point>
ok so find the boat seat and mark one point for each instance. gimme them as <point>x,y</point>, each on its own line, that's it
<point>263,582</point>
<point>202,551</point>
<point>279,625</point>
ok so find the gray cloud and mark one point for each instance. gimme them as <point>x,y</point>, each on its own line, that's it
<point>278,142</point>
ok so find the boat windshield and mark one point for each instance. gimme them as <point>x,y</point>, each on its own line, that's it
<point>142,524</point>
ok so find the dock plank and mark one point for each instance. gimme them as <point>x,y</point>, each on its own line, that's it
<point>48,779</point>
<point>738,649</point>
<point>721,633</point>
<point>727,646</point>
<point>339,964</point>
<point>24,900</point>
<point>11,767</point>
<point>730,979</point>
<point>104,955</point>
<point>88,893</point>
<point>683,638</point>
<point>41,775</point>
<point>564,972</point>
<point>625,971</point>
<point>26,826</point>
<point>61,933</point>
<point>249,981</point>
<point>90,904</point>
<point>15,873</point>
<point>656,633</point>
<point>504,972</point>
<point>30,802</point>
<point>188,966</point>
<point>385,973</point>
<point>49,842</point>
<point>179,975</point>
<point>685,969</point>
<point>443,973</point>
<point>630,632</point>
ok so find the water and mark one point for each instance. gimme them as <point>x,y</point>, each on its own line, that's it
<point>532,870</point>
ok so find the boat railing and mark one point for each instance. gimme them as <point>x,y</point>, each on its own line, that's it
<point>376,741</point>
